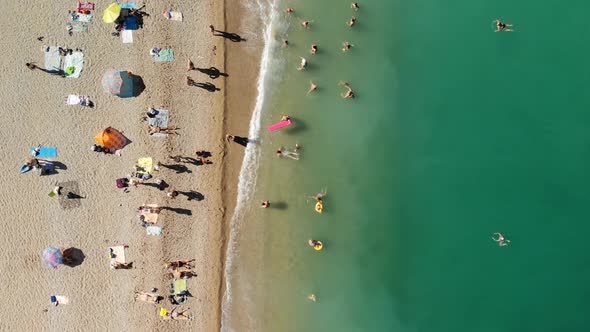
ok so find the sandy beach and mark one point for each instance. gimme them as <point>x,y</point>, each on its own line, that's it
<point>34,112</point>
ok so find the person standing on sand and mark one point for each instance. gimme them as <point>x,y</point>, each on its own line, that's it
<point>312,87</point>
<point>172,194</point>
<point>212,28</point>
<point>31,66</point>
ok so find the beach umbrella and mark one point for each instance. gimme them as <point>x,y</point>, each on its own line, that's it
<point>111,13</point>
<point>118,83</point>
<point>52,257</point>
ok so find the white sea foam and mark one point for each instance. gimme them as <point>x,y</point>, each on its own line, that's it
<point>248,172</point>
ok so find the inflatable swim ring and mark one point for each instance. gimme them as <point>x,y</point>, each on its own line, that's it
<point>319,207</point>
<point>318,246</point>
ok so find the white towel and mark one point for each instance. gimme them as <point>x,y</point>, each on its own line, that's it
<point>73,100</point>
<point>52,58</point>
<point>62,299</point>
<point>175,16</point>
<point>127,36</point>
<point>119,253</point>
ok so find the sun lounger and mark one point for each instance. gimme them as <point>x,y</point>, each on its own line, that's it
<point>279,125</point>
<point>73,64</point>
<point>165,55</point>
<point>73,100</point>
<point>52,58</point>
<point>160,119</point>
<point>77,26</point>
<point>44,152</point>
<point>127,36</point>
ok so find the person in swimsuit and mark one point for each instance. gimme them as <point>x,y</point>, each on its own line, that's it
<point>351,22</point>
<point>502,26</point>
<point>349,94</point>
<point>168,130</point>
<point>355,6</point>
<point>312,87</point>
<point>289,10</point>
<point>31,66</point>
<point>306,24</point>
<point>302,64</point>
<point>265,204</point>
<point>346,46</point>
<point>500,239</point>
<point>314,49</point>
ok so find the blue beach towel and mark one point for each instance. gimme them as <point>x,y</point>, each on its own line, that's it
<point>45,152</point>
<point>128,6</point>
<point>130,23</point>
<point>165,55</point>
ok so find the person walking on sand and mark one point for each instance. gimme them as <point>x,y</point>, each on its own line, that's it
<point>190,66</point>
<point>265,204</point>
<point>502,26</point>
<point>314,49</point>
<point>212,28</point>
<point>302,64</point>
<point>31,66</point>
<point>346,46</point>
<point>355,6</point>
<point>502,242</point>
<point>349,94</point>
<point>312,87</point>
<point>351,22</point>
<point>172,194</point>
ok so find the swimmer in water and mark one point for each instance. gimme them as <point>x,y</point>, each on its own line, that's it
<point>285,118</point>
<point>502,26</point>
<point>306,24</point>
<point>311,297</point>
<point>349,94</point>
<point>289,10</point>
<point>282,152</point>
<point>320,196</point>
<point>351,22</point>
<point>312,87</point>
<point>355,6</point>
<point>501,240</point>
<point>315,243</point>
<point>346,46</point>
<point>285,43</point>
<point>303,64</point>
<point>314,49</point>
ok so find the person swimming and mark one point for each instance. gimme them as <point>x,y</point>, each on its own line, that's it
<point>314,49</point>
<point>316,244</point>
<point>282,152</point>
<point>501,240</point>
<point>349,94</point>
<point>355,6</point>
<point>306,24</point>
<point>312,87</point>
<point>302,64</point>
<point>346,46</point>
<point>351,22</point>
<point>500,26</point>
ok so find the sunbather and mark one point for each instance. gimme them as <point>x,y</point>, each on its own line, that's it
<point>147,297</point>
<point>118,265</point>
<point>177,264</point>
<point>167,130</point>
<point>173,315</point>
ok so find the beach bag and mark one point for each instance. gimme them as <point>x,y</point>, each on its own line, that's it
<point>122,183</point>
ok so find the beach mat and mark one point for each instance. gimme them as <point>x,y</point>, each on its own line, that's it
<point>165,55</point>
<point>160,120</point>
<point>118,255</point>
<point>127,36</point>
<point>75,61</point>
<point>173,15</point>
<point>52,58</point>
<point>44,152</point>
<point>153,230</point>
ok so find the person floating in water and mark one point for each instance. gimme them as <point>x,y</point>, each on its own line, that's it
<point>289,10</point>
<point>311,297</point>
<point>314,49</point>
<point>306,24</point>
<point>316,244</point>
<point>303,64</point>
<point>346,46</point>
<point>265,204</point>
<point>320,196</point>
<point>355,6</point>
<point>282,152</point>
<point>312,87</point>
<point>351,22</point>
<point>502,26</point>
<point>349,94</point>
<point>501,240</point>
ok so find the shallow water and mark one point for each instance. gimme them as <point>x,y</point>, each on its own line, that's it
<point>457,132</point>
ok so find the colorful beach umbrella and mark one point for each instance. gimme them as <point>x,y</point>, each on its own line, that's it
<point>52,257</point>
<point>118,83</point>
<point>111,13</point>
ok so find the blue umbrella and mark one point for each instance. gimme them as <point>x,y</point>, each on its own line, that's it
<point>52,257</point>
<point>118,83</point>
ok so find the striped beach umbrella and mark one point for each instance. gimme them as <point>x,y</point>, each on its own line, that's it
<point>52,257</point>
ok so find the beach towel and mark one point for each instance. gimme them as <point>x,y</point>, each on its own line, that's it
<point>117,255</point>
<point>59,299</point>
<point>165,55</point>
<point>127,36</point>
<point>77,26</point>
<point>279,125</point>
<point>179,286</point>
<point>145,165</point>
<point>128,5</point>
<point>159,120</point>
<point>148,215</point>
<point>52,58</point>
<point>84,18</point>
<point>130,23</point>
<point>154,230</point>
<point>173,16</point>
<point>85,6</point>
<point>73,64</point>
<point>73,100</point>
<point>44,152</point>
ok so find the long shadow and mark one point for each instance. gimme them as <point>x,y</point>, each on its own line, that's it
<point>178,168</point>
<point>212,72</point>
<point>160,186</point>
<point>71,195</point>
<point>297,127</point>
<point>73,257</point>
<point>52,167</point>
<point>192,195</point>
<point>178,210</point>
<point>57,72</point>
<point>190,160</point>
<point>206,86</point>
<point>229,35</point>
<point>138,85</point>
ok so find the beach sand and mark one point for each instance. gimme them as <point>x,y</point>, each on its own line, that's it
<point>34,112</point>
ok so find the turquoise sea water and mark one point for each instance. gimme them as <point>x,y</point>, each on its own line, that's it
<point>457,132</point>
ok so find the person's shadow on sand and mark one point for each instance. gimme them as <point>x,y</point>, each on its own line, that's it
<point>207,86</point>
<point>229,35</point>
<point>178,210</point>
<point>192,195</point>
